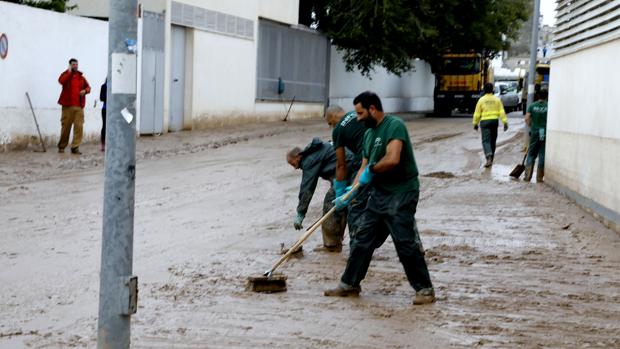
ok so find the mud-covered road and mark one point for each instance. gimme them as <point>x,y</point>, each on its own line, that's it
<point>515,264</point>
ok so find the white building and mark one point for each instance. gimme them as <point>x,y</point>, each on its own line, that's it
<point>201,63</point>
<point>583,124</point>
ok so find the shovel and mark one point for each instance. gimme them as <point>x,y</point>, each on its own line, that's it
<point>518,170</point>
<point>270,282</point>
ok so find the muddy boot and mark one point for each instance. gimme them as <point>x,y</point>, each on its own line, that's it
<point>343,290</point>
<point>489,162</point>
<point>323,248</point>
<point>424,296</point>
<point>540,173</point>
<point>528,173</point>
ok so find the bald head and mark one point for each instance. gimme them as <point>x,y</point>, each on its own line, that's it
<point>333,114</point>
<point>293,157</point>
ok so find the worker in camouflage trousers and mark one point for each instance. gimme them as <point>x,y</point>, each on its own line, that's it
<point>318,160</point>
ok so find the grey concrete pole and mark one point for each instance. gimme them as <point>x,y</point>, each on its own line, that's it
<point>533,53</point>
<point>118,288</point>
<point>532,71</point>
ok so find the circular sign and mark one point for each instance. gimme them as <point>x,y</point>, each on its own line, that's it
<point>4,46</point>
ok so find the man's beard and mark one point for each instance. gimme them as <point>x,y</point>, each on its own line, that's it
<point>370,122</point>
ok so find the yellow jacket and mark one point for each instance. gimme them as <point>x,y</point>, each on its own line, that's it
<point>489,107</point>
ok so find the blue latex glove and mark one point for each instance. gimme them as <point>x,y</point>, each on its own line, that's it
<point>340,202</point>
<point>366,176</point>
<point>300,218</point>
<point>340,187</point>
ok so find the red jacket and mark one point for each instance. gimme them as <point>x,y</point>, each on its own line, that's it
<point>72,83</point>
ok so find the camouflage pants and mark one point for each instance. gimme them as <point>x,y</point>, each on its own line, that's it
<point>334,226</point>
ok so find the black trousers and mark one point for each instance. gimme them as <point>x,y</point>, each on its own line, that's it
<point>388,214</point>
<point>103,113</point>
<point>488,128</point>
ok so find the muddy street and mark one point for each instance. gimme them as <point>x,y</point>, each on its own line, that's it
<point>514,264</point>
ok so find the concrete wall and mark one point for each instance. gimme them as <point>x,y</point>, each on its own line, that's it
<point>40,45</point>
<point>412,92</point>
<point>221,69</point>
<point>584,128</point>
<point>90,8</point>
<point>285,11</point>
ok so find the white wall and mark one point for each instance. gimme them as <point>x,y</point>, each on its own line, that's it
<point>221,69</point>
<point>285,11</point>
<point>410,92</point>
<point>584,126</point>
<point>40,45</point>
<point>90,8</point>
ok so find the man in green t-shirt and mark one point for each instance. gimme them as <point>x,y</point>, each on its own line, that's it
<point>390,172</point>
<point>536,118</point>
<point>347,135</point>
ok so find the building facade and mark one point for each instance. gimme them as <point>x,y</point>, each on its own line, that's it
<point>201,64</point>
<point>583,140</point>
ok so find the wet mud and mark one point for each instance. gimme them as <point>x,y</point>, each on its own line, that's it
<point>514,264</point>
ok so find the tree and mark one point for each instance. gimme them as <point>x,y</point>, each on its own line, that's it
<point>54,5</point>
<point>390,33</point>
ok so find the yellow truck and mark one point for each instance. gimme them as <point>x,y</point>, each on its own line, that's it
<point>541,81</point>
<point>459,81</point>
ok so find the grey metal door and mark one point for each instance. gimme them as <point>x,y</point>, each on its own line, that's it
<point>152,84</point>
<point>177,79</point>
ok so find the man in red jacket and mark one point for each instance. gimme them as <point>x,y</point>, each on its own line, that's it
<point>73,99</point>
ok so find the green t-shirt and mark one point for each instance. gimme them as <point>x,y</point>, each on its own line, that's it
<point>349,133</point>
<point>538,115</point>
<point>402,178</point>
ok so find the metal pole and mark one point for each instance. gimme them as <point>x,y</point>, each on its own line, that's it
<point>118,288</point>
<point>533,53</point>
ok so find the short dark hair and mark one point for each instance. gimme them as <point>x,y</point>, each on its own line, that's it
<point>488,87</point>
<point>72,60</point>
<point>367,98</point>
<point>543,94</point>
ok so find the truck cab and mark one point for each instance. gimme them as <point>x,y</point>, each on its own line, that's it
<point>459,82</point>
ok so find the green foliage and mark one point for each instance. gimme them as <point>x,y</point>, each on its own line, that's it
<point>54,5</point>
<point>389,33</point>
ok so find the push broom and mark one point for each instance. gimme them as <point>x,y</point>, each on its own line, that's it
<point>269,282</point>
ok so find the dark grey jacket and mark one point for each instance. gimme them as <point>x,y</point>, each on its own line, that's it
<point>318,159</point>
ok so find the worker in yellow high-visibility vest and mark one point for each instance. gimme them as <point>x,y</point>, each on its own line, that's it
<point>488,110</point>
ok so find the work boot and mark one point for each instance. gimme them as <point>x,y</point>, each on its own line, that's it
<point>489,162</point>
<point>424,296</point>
<point>528,173</point>
<point>323,248</point>
<point>76,151</point>
<point>343,290</point>
<point>540,173</point>
<point>61,150</point>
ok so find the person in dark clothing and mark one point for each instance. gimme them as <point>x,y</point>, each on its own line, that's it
<point>347,134</point>
<point>390,172</point>
<point>103,96</point>
<point>536,118</point>
<point>318,160</point>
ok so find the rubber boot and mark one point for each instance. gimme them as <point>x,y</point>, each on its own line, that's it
<point>489,162</point>
<point>343,290</point>
<point>528,173</point>
<point>540,173</point>
<point>424,296</point>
